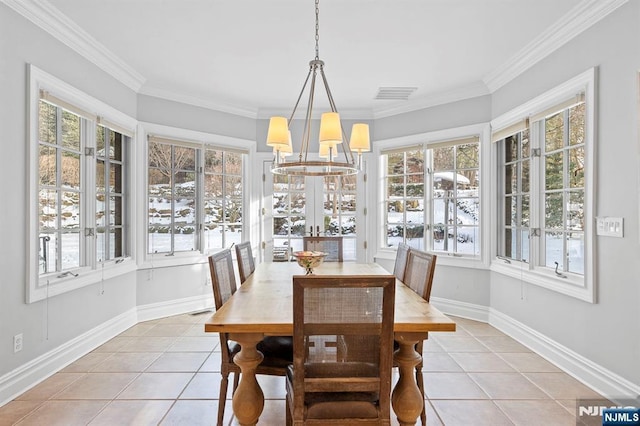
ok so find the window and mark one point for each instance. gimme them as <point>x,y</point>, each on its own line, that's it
<point>340,211</point>
<point>195,196</point>
<point>289,214</point>
<point>80,189</point>
<point>545,172</point>
<point>444,176</point>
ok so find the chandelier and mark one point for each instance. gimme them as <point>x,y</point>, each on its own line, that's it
<point>331,138</point>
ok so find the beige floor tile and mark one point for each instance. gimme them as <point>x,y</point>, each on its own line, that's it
<point>179,362</point>
<point>160,330</point>
<point>97,386</point>
<point>451,386</point>
<point>465,321</point>
<point>115,344</point>
<point>480,362</point>
<point>460,344</point>
<point>194,344</point>
<point>272,386</point>
<point>127,362</point>
<point>50,386</point>
<point>561,386</point>
<point>528,362</point>
<point>503,344</point>
<point>481,330</point>
<point>196,412</point>
<point>63,413</point>
<point>198,330</point>
<point>138,413</point>
<point>137,330</point>
<point>431,345</point>
<point>183,319</point>
<point>537,412</point>
<point>157,386</point>
<point>212,364</point>
<point>507,386</point>
<point>204,386</point>
<point>467,413</point>
<point>14,410</point>
<point>87,362</point>
<point>437,361</point>
<point>149,344</point>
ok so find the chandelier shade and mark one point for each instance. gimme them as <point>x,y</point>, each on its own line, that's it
<point>331,137</point>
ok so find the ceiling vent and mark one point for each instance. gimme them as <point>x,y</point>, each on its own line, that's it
<point>395,93</point>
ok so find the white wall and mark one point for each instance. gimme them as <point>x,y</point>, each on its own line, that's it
<point>47,324</point>
<point>607,333</point>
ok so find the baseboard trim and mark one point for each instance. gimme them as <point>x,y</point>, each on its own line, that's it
<point>461,309</point>
<point>23,378</point>
<point>153,311</point>
<point>598,378</point>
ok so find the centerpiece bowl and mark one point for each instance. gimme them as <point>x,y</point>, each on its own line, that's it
<point>309,259</point>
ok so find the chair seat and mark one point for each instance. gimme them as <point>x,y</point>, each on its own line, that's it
<point>277,350</point>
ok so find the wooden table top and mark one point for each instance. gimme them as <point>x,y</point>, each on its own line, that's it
<point>264,303</point>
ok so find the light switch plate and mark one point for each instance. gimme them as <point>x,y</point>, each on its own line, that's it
<point>610,226</point>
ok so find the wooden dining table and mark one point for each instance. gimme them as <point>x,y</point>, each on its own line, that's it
<point>263,306</point>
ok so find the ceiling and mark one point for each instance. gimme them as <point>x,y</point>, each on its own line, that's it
<point>251,56</point>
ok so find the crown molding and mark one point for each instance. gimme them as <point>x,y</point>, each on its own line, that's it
<point>467,92</point>
<point>577,20</point>
<point>46,16</point>
<point>197,101</point>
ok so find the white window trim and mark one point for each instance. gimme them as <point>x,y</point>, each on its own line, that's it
<point>573,285</point>
<point>426,139</point>
<point>198,140</point>
<point>39,288</point>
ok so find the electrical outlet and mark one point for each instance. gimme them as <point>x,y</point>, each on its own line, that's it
<point>17,343</point>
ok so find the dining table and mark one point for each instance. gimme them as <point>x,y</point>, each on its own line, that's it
<point>263,306</point>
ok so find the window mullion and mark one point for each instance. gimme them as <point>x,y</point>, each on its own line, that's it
<point>88,193</point>
<point>536,191</point>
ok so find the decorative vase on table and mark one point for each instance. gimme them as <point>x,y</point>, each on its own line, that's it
<point>309,259</point>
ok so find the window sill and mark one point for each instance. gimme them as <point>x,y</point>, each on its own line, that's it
<point>472,262</point>
<point>162,260</point>
<point>572,285</point>
<point>54,285</point>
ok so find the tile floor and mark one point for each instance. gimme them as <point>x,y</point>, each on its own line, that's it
<point>166,372</point>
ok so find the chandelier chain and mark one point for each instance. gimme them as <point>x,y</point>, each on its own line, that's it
<point>317,29</point>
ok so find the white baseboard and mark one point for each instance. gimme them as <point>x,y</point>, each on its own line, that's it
<point>174,307</point>
<point>35,371</point>
<point>600,379</point>
<point>461,309</point>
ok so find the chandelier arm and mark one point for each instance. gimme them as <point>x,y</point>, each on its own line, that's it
<point>295,107</point>
<point>308,117</point>
<point>347,152</point>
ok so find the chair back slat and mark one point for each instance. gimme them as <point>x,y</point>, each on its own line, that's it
<point>401,261</point>
<point>223,278</point>
<point>418,274</point>
<point>330,245</point>
<point>246,264</point>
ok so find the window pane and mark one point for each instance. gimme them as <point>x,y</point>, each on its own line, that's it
<point>101,219</point>
<point>298,226</point>
<point>47,253</point>
<point>468,212</point>
<point>212,186</point>
<point>553,249</point>
<point>438,210</point>
<point>554,132</point>
<point>233,211</point>
<point>100,142</point>
<point>48,165</point>
<point>525,245</point>
<point>576,167</point>
<point>213,161</point>
<point>184,158</point>
<point>467,240</point>
<point>280,226</point>
<point>71,169</point>
<point>233,163</point>
<point>415,161</point>
<point>395,212</point>
<point>525,211</point>
<point>159,239</point>
<point>511,178</point>
<point>233,234</point>
<point>100,176</point>
<point>185,184</point>
<point>70,250</point>
<point>511,148</point>
<point>553,211</point>
<point>159,155</point>
<point>524,182</point>
<point>233,186</point>
<point>115,178</point>
<point>395,163</point>
<point>395,186</point>
<point>348,203</point>
<point>184,238</point>
<point>553,171</point>
<point>395,235</point>
<point>443,158</point>
<point>415,185</point>
<point>575,213</point>
<point>575,250</point>
<point>70,210</point>
<point>467,156</point>
<point>576,125</point>
<point>525,145</point>
<point>47,123</point>
<point>70,131</point>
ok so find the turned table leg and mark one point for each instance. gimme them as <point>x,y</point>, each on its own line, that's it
<point>406,399</point>
<point>248,400</point>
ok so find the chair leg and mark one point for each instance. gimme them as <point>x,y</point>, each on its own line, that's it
<point>420,383</point>
<point>222,397</point>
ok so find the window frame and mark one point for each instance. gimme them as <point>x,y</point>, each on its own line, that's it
<point>427,141</point>
<point>201,141</point>
<point>582,287</point>
<point>58,282</point>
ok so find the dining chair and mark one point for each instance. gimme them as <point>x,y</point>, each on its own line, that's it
<point>246,264</point>
<point>418,276</point>
<point>401,260</point>
<point>348,387</point>
<point>330,245</point>
<point>277,351</point>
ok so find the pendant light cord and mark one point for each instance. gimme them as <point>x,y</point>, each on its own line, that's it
<point>317,29</point>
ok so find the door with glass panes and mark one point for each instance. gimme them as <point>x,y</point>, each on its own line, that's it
<point>296,206</point>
